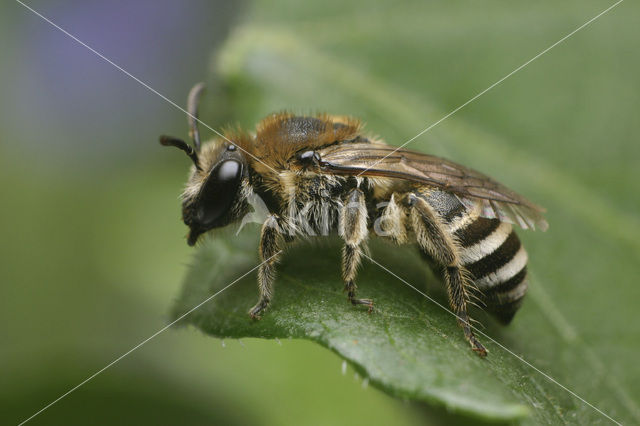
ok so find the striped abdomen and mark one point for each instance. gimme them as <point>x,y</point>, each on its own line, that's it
<point>490,251</point>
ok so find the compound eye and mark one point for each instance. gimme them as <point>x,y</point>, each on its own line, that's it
<point>218,192</point>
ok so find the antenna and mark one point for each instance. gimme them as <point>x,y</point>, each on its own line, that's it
<point>192,108</point>
<point>180,144</point>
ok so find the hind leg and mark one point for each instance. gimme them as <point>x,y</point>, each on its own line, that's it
<point>433,238</point>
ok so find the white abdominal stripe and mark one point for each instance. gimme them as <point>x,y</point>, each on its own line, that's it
<point>496,261</point>
<point>486,246</point>
<point>505,273</point>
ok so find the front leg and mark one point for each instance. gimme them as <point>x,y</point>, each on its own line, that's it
<point>353,229</point>
<point>270,243</point>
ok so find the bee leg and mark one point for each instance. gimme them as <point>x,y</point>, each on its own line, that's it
<point>270,242</point>
<point>458,298</point>
<point>353,229</point>
<point>437,243</point>
<point>350,261</point>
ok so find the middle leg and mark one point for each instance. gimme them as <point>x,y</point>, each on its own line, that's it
<point>353,229</point>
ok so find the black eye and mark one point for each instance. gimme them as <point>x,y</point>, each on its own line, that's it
<point>218,192</point>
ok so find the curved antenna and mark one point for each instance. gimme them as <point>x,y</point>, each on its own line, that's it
<point>192,108</point>
<point>180,144</point>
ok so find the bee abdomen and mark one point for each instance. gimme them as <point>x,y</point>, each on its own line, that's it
<point>492,253</point>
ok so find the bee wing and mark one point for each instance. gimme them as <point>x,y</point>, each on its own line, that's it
<point>471,187</point>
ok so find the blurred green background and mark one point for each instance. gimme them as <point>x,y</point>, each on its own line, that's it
<point>92,251</point>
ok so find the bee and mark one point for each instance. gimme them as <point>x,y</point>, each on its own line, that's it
<point>321,174</point>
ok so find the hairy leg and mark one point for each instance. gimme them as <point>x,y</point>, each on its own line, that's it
<point>353,229</point>
<point>436,241</point>
<point>270,246</point>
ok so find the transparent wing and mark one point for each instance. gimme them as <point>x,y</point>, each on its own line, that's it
<point>472,187</point>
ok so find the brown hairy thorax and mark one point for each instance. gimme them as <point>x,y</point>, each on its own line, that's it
<point>279,136</point>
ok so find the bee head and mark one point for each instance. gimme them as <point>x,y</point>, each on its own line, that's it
<point>214,195</point>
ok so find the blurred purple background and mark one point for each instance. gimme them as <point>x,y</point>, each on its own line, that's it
<point>54,88</point>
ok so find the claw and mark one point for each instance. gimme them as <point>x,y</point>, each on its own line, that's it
<point>367,302</point>
<point>478,348</point>
<point>255,312</point>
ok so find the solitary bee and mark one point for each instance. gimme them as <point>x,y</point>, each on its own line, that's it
<point>321,174</point>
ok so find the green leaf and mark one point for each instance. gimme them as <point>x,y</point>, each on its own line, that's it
<point>386,64</point>
<point>407,346</point>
